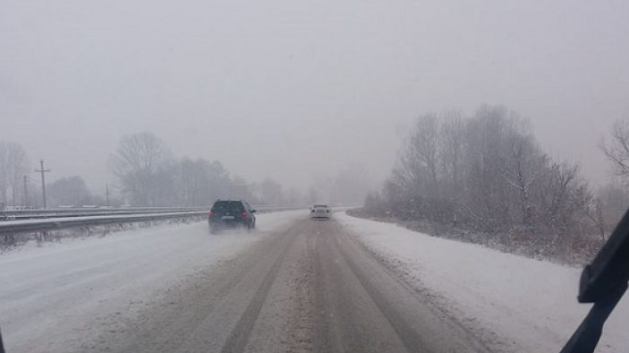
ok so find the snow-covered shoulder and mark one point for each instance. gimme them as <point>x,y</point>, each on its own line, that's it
<point>530,305</point>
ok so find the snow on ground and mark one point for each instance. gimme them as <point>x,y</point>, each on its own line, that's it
<point>527,305</point>
<point>56,297</point>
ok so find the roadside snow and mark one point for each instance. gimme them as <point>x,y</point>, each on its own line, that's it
<point>57,297</point>
<point>525,305</point>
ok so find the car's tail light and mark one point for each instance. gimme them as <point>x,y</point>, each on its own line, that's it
<point>211,213</point>
<point>244,214</point>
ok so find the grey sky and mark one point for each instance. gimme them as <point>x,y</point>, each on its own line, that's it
<point>288,89</point>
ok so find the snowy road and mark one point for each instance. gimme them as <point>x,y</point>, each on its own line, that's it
<point>296,285</point>
<point>60,297</point>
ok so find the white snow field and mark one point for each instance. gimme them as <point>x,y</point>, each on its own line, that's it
<point>526,305</point>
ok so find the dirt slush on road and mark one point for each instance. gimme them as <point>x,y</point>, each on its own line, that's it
<point>311,287</point>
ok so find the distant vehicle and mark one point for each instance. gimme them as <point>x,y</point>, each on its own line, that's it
<point>231,214</point>
<point>320,212</point>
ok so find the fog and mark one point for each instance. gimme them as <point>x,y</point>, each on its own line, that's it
<point>296,90</point>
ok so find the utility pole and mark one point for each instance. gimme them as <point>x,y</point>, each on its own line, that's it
<point>107,193</point>
<point>43,180</point>
<point>25,192</point>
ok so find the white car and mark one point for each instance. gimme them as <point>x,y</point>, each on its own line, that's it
<point>320,212</point>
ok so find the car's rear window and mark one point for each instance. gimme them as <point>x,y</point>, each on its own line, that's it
<point>232,206</point>
<point>320,206</point>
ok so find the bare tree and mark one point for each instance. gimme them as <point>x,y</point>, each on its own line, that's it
<point>525,161</point>
<point>417,172</point>
<point>617,150</point>
<point>614,198</point>
<point>424,144</point>
<point>70,191</point>
<point>452,150</point>
<point>189,182</point>
<point>556,195</point>
<point>139,163</point>
<point>199,182</point>
<point>13,166</point>
<point>592,207</point>
<point>489,197</point>
<point>486,172</point>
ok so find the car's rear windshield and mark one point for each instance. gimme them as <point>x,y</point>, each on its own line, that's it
<point>320,206</point>
<point>233,206</point>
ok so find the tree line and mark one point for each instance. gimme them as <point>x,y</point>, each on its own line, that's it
<point>487,172</point>
<point>146,173</point>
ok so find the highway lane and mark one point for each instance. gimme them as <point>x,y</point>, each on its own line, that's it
<point>309,287</point>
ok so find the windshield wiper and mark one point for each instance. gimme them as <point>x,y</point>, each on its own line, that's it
<point>1,345</point>
<point>603,282</point>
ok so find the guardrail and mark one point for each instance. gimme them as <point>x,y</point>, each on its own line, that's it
<point>14,215</point>
<point>32,226</point>
<point>50,224</point>
<point>78,212</point>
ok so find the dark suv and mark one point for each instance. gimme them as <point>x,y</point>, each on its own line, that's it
<point>231,214</point>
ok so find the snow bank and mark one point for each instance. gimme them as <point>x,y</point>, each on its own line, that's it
<point>525,305</point>
<point>57,297</point>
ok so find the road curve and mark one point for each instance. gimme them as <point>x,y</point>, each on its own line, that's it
<point>310,288</point>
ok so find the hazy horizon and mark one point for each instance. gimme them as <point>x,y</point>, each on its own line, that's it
<point>295,91</point>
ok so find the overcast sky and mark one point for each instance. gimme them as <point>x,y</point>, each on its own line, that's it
<point>294,88</point>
